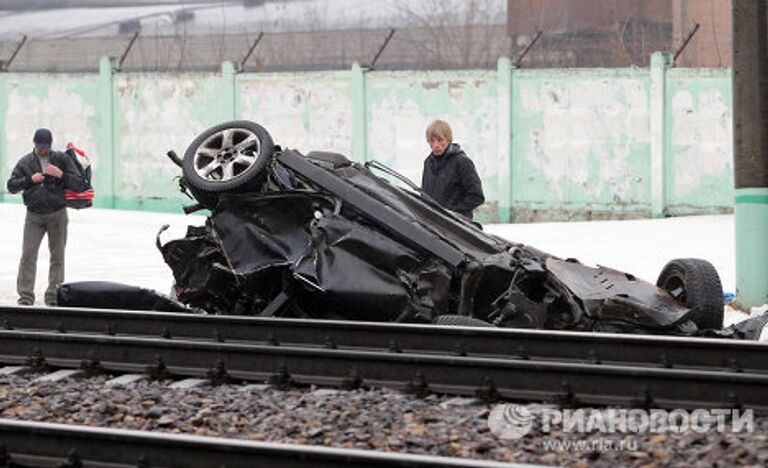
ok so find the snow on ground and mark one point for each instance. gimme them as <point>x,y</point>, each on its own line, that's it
<point>115,245</point>
<point>105,245</point>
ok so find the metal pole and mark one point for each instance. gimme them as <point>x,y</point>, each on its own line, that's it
<point>251,49</point>
<point>15,52</point>
<point>685,42</point>
<point>127,49</point>
<point>381,49</point>
<point>750,147</point>
<point>516,62</point>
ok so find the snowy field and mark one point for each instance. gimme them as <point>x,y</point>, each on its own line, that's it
<point>112,245</point>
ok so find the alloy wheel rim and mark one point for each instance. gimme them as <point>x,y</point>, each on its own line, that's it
<point>227,154</point>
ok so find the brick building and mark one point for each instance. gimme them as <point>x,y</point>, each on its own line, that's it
<point>614,33</point>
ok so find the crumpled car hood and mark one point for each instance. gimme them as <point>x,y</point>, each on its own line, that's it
<point>613,295</point>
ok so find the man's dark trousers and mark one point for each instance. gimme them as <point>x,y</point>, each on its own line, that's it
<point>35,227</point>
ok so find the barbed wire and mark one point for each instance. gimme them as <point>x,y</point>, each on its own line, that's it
<point>415,48</point>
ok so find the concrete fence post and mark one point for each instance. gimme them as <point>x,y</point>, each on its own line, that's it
<point>660,61</point>
<point>105,183</point>
<point>504,153</point>
<point>229,73</point>
<point>359,114</point>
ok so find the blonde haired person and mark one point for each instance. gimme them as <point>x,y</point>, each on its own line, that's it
<point>449,176</point>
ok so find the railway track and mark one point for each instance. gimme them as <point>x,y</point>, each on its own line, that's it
<point>33,444</point>
<point>573,368</point>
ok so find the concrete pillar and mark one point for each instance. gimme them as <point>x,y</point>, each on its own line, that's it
<point>105,176</point>
<point>750,146</point>
<point>660,61</point>
<point>504,154</point>
<point>359,114</point>
<point>751,225</point>
<point>229,73</point>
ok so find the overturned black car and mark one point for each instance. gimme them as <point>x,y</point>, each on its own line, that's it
<point>320,236</point>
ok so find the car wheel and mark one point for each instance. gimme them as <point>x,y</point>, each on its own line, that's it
<point>460,321</point>
<point>696,284</point>
<point>231,156</point>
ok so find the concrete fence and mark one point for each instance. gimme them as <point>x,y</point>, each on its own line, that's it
<point>548,143</point>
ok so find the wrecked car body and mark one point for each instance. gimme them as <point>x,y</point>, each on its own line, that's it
<point>317,235</point>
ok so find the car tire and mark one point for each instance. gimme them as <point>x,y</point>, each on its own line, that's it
<point>232,156</point>
<point>695,283</point>
<point>460,321</point>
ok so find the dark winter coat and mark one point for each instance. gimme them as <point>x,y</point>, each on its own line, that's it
<point>47,196</point>
<point>452,181</point>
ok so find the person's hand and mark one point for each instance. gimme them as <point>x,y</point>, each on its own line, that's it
<point>37,177</point>
<point>54,171</point>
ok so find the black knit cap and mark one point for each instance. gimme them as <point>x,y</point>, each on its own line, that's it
<point>43,138</point>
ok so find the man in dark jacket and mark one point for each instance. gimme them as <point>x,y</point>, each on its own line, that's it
<point>43,175</point>
<point>449,175</point>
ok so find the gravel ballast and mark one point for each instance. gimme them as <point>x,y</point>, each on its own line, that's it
<point>374,419</point>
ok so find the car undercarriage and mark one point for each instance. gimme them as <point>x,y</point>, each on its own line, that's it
<point>317,235</point>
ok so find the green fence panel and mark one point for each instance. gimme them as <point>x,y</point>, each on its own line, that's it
<point>155,113</point>
<point>402,104</point>
<point>303,111</point>
<point>699,141</point>
<point>67,104</point>
<point>549,144</point>
<point>581,144</point>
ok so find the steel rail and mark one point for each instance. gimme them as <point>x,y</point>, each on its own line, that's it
<point>563,346</point>
<point>45,444</point>
<point>515,379</point>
